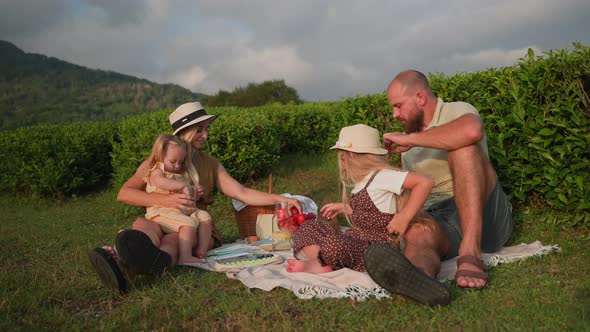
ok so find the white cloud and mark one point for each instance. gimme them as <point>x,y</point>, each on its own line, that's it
<point>269,63</point>
<point>192,79</point>
<point>325,50</point>
<point>487,58</point>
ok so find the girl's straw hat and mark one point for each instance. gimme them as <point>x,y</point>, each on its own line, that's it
<point>360,138</point>
<point>187,115</point>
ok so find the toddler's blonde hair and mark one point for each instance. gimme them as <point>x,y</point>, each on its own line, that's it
<point>161,146</point>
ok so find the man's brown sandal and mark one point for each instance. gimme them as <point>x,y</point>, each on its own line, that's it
<point>471,274</point>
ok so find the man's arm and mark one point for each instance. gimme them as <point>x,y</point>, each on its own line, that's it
<point>466,130</point>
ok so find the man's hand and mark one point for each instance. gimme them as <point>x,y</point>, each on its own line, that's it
<point>400,140</point>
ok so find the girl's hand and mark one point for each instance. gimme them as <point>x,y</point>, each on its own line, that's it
<point>199,191</point>
<point>397,225</point>
<point>331,210</point>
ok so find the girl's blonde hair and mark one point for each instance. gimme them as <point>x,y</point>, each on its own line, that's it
<point>354,167</point>
<point>161,146</point>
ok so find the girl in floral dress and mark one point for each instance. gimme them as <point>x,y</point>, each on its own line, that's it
<point>374,211</point>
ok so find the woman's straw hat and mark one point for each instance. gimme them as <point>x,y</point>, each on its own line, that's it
<point>187,115</point>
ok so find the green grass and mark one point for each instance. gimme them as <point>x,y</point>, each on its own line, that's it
<point>46,282</point>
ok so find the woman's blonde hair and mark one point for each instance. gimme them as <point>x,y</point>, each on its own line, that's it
<point>354,167</point>
<point>161,146</point>
<point>187,135</point>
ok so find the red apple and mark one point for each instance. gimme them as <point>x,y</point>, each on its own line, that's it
<point>300,219</point>
<point>281,214</point>
<point>294,211</point>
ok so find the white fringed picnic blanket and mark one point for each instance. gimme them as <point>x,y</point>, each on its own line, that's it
<point>347,283</point>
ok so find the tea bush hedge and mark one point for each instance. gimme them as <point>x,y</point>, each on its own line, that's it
<point>248,142</point>
<point>56,160</point>
<point>537,117</point>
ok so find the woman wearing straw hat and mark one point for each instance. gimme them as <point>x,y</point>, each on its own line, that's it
<point>145,249</point>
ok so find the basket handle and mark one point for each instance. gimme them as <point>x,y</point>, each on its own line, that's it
<point>270,184</point>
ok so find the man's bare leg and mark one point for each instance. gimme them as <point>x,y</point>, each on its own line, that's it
<point>412,273</point>
<point>473,180</point>
<point>426,244</point>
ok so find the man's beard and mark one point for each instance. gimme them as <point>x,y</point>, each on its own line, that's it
<point>414,124</point>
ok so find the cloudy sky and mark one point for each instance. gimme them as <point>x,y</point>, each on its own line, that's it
<point>324,49</point>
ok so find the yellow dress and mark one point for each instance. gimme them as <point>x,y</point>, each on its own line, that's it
<point>171,219</point>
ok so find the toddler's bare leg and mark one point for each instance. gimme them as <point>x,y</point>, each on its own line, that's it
<point>187,237</point>
<point>204,232</point>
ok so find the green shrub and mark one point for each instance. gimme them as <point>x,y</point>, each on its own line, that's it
<point>536,113</point>
<point>247,142</point>
<point>309,128</point>
<point>136,136</point>
<point>56,160</point>
<point>537,116</point>
<point>248,147</point>
<point>372,110</point>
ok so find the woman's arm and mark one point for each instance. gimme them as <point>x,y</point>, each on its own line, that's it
<point>232,188</point>
<point>420,186</point>
<point>133,193</point>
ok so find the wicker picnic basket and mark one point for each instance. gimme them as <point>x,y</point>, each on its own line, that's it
<point>246,217</point>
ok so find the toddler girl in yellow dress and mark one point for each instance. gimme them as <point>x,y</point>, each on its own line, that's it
<point>167,174</point>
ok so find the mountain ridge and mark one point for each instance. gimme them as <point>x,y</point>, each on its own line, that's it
<point>35,89</point>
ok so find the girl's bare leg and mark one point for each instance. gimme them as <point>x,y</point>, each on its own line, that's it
<point>311,265</point>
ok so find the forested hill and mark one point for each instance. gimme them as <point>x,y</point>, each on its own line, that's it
<point>38,89</point>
